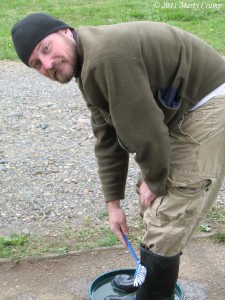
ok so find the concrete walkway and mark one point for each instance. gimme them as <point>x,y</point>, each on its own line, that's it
<point>68,277</point>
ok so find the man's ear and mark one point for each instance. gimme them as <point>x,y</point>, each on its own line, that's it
<point>67,31</point>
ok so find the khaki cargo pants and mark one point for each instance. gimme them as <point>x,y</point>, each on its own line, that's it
<point>197,174</point>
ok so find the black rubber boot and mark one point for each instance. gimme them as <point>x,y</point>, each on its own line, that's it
<point>161,278</point>
<point>125,282</point>
<point>160,281</point>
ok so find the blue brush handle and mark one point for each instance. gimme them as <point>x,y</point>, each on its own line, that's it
<point>131,249</point>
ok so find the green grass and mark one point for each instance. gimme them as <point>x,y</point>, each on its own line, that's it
<point>204,228</point>
<point>17,246</point>
<point>217,213</point>
<point>214,221</point>
<point>90,237</point>
<point>206,22</point>
<point>219,237</point>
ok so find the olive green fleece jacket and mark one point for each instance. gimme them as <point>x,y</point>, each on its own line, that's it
<point>138,79</point>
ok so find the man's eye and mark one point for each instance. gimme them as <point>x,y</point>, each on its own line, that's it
<point>46,48</point>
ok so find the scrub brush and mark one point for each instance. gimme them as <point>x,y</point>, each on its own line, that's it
<point>141,271</point>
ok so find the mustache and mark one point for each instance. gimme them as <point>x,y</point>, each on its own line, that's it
<point>55,66</point>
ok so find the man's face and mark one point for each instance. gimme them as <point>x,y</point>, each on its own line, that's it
<point>55,56</point>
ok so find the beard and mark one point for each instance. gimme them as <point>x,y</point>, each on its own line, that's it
<point>63,69</point>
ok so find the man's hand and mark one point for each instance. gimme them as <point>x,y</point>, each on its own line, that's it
<point>117,220</point>
<point>147,197</point>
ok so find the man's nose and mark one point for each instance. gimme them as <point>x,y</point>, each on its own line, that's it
<point>48,63</point>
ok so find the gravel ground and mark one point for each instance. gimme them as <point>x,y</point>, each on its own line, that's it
<point>48,172</point>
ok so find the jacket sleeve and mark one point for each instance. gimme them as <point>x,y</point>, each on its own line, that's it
<point>111,158</point>
<point>138,121</point>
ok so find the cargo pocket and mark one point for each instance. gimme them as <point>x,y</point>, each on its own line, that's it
<point>195,188</point>
<point>181,205</point>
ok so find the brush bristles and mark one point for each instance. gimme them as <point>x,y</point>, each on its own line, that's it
<point>140,275</point>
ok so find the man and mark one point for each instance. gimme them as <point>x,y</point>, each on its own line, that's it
<point>158,92</point>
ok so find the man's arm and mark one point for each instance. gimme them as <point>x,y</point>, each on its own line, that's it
<point>112,159</point>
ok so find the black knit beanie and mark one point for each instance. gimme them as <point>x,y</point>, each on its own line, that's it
<point>28,32</point>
